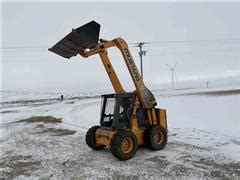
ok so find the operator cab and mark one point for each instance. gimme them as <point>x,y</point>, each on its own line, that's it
<point>116,111</point>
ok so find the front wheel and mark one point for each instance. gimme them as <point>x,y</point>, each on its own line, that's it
<point>123,145</point>
<point>155,137</point>
<point>91,139</point>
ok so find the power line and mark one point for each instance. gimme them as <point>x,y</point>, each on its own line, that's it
<point>24,51</point>
<point>192,44</point>
<point>36,50</point>
<point>195,52</point>
<point>161,54</point>
<point>148,43</point>
<point>188,41</point>
<point>118,57</point>
<point>23,47</point>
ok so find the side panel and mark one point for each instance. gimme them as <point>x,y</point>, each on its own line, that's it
<point>134,123</point>
<point>161,117</point>
<point>103,136</point>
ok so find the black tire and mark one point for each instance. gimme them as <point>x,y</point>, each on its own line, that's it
<point>150,137</point>
<point>91,140</point>
<point>119,148</point>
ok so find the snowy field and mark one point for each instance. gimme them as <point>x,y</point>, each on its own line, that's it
<point>204,138</point>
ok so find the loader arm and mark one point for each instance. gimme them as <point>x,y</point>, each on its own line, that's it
<point>146,97</point>
<point>84,41</point>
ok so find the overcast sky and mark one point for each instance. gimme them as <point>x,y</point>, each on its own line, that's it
<point>43,24</point>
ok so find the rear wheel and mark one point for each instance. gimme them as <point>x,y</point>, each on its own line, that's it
<point>91,139</point>
<point>124,145</point>
<point>155,137</point>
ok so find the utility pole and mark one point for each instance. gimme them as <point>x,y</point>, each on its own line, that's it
<point>141,54</point>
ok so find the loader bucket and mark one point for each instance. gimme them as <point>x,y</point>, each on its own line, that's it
<point>80,39</point>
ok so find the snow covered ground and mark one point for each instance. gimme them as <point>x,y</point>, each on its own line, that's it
<point>204,139</point>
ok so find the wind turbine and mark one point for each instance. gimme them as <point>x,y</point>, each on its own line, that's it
<point>173,74</point>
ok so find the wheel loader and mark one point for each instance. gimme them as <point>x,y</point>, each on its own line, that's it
<point>128,119</point>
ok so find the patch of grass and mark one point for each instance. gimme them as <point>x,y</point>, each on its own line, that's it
<point>217,93</point>
<point>5,112</point>
<point>159,161</point>
<point>17,165</point>
<point>43,119</point>
<point>58,132</point>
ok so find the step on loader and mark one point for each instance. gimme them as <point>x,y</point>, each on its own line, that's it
<point>128,119</point>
